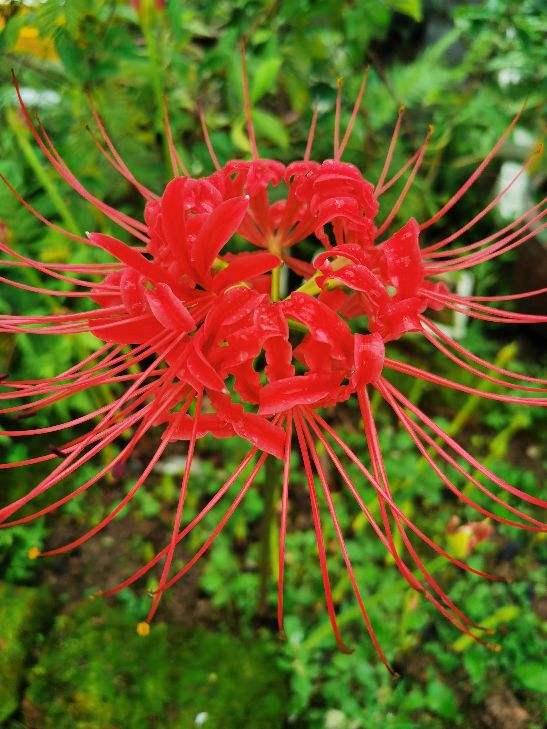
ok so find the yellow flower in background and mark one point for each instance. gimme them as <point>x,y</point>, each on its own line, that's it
<point>30,43</point>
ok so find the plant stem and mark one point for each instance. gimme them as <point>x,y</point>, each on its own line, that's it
<point>276,284</point>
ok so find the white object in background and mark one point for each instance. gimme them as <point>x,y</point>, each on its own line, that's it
<point>44,99</point>
<point>517,199</point>
<point>464,287</point>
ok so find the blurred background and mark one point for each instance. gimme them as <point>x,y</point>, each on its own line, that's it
<point>67,661</point>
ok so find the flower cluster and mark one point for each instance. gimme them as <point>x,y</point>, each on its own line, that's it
<point>214,321</point>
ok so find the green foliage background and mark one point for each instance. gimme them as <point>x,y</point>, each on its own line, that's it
<point>467,69</point>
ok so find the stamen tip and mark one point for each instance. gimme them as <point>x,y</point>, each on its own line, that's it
<point>343,648</point>
<point>33,553</point>
<point>143,629</point>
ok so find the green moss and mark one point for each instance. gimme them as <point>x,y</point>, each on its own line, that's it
<point>23,612</point>
<point>95,672</point>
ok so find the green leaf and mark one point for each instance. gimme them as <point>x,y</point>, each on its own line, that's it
<point>412,8</point>
<point>533,676</point>
<point>504,614</point>
<point>265,77</point>
<point>238,135</point>
<point>271,128</point>
<point>476,664</point>
<point>70,54</point>
<point>441,699</point>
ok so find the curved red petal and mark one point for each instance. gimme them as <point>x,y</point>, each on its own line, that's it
<point>243,267</point>
<point>282,395</point>
<point>169,310</point>
<point>216,231</point>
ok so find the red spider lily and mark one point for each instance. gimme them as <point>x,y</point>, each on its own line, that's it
<point>186,317</point>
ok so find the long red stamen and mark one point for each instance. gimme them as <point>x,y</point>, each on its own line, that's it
<point>353,117</point>
<point>408,369</point>
<point>221,524</point>
<point>472,178</point>
<point>393,506</point>
<point>177,164</point>
<point>178,516</point>
<point>49,271</point>
<point>486,313</point>
<point>390,152</point>
<point>114,157</point>
<point>343,548</point>
<point>531,216</point>
<point>408,184</point>
<point>38,215</point>
<point>283,523</point>
<point>457,617</point>
<point>311,135</point>
<point>337,115</point>
<point>484,375</point>
<point>388,542</point>
<point>419,435</point>
<point>207,138</point>
<point>495,200</point>
<point>474,358</point>
<point>319,535</point>
<point>65,468</point>
<point>461,451</point>
<point>138,574</point>
<point>487,253</point>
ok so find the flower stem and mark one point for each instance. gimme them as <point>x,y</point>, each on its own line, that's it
<point>276,284</point>
<point>310,286</point>
<point>275,289</point>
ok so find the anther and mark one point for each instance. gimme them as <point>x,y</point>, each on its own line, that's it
<point>143,629</point>
<point>33,553</point>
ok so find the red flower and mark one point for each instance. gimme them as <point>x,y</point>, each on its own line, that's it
<point>198,315</point>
